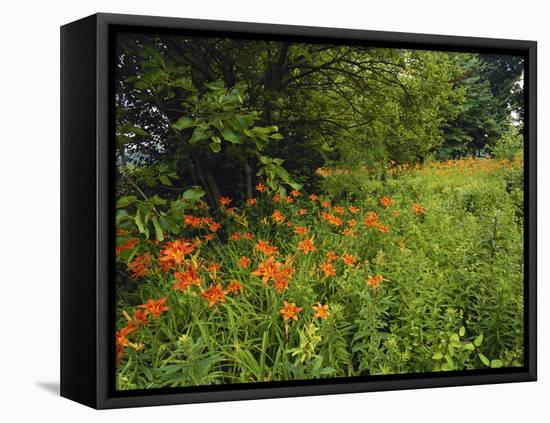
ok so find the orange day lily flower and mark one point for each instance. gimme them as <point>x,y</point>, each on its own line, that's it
<point>122,341</point>
<point>185,279</point>
<point>328,269</point>
<point>281,279</point>
<point>383,228</point>
<point>141,317</point>
<point>418,209</point>
<point>300,230</point>
<point>225,201</point>
<point>251,201</point>
<point>266,248</point>
<point>234,286</point>
<point>353,209</point>
<point>295,193</point>
<point>214,226</point>
<point>371,220</point>
<point>321,311</point>
<point>193,221</point>
<point>313,197</point>
<point>247,235</point>
<point>155,307</point>
<point>165,266</point>
<point>306,245</point>
<point>331,256</point>
<point>261,188</point>
<point>332,219</point>
<point>214,294</point>
<point>277,216</point>
<point>386,201</point>
<point>348,232</point>
<point>139,265</point>
<point>121,335</point>
<point>280,283</point>
<point>290,311</point>
<point>209,237</point>
<point>348,259</point>
<point>128,245</point>
<point>374,281</point>
<point>244,261</point>
<point>174,252</point>
<point>207,220</point>
<point>267,269</point>
<point>302,212</point>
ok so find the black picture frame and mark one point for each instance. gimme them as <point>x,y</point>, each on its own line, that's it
<point>87,203</point>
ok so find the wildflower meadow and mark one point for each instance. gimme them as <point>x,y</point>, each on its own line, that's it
<point>280,215</point>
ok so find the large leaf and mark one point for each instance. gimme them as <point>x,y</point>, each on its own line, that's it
<point>170,223</point>
<point>496,364</point>
<point>295,186</point>
<point>165,180</point>
<point>125,201</point>
<point>484,359</point>
<point>139,222</point>
<point>230,136</point>
<point>183,123</point>
<point>193,194</point>
<point>186,84</point>
<point>199,134</point>
<point>158,229</point>
<point>438,355</point>
<point>478,340</point>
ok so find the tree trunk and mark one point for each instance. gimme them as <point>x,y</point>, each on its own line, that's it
<point>279,70</point>
<point>273,79</point>
<point>248,172</point>
<point>193,173</point>
<point>200,173</point>
<point>212,185</point>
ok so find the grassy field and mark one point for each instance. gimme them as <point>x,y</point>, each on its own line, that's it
<point>413,270</point>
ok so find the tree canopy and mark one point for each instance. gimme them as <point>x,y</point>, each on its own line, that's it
<point>220,110</point>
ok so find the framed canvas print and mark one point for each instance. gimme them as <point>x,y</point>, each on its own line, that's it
<point>254,211</point>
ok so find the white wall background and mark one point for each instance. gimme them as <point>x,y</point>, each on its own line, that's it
<point>29,209</point>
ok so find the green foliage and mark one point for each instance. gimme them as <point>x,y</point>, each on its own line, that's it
<point>352,186</point>
<point>450,297</point>
<point>509,145</point>
<point>492,103</point>
<point>435,280</point>
<point>218,116</point>
<point>153,214</point>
